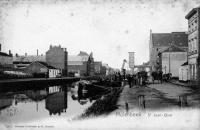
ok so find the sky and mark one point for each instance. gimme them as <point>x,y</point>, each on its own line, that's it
<point>108,28</point>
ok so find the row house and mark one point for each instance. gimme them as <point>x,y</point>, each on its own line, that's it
<point>193,18</point>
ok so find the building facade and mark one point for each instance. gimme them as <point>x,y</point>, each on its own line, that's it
<point>42,69</point>
<point>58,57</point>
<point>184,72</point>
<point>193,18</point>
<point>6,60</point>
<point>171,60</point>
<point>161,41</point>
<point>131,60</point>
<point>97,67</point>
<point>81,64</point>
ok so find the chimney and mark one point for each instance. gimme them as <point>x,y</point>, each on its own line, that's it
<point>10,52</point>
<point>37,52</point>
<point>50,46</point>
<point>25,54</point>
<point>0,47</point>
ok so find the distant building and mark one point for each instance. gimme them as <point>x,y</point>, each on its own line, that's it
<point>171,60</point>
<point>77,65</point>
<point>22,61</point>
<point>58,57</point>
<point>97,67</point>
<point>6,60</point>
<point>193,43</point>
<point>81,64</point>
<point>90,65</point>
<point>42,69</point>
<point>131,60</point>
<point>161,41</point>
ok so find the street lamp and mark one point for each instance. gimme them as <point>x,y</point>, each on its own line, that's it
<point>170,56</point>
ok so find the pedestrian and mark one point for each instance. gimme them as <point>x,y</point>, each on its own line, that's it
<point>160,76</point>
<point>129,78</point>
<point>126,106</point>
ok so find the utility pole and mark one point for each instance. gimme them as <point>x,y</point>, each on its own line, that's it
<point>169,64</point>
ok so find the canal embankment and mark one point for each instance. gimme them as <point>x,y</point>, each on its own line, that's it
<point>42,81</point>
<point>106,102</point>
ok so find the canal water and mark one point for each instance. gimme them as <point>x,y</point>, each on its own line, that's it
<point>37,103</point>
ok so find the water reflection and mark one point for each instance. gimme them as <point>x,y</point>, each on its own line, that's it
<point>183,101</point>
<point>141,101</point>
<point>57,103</point>
<point>83,92</point>
<point>26,104</point>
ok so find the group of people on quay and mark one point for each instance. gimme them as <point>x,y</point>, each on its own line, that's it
<point>141,78</point>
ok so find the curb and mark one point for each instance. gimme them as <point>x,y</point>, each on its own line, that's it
<point>189,86</point>
<point>179,84</point>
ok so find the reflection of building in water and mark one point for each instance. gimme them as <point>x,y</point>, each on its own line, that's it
<point>141,101</point>
<point>21,98</point>
<point>57,103</point>
<point>5,102</point>
<point>37,95</point>
<point>53,89</point>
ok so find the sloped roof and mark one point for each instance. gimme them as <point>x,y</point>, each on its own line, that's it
<point>30,58</point>
<point>77,60</point>
<point>46,65</point>
<point>186,63</point>
<point>4,54</point>
<point>166,39</point>
<point>194,10</point>
<point>173,48</point>
<point>82,53</point>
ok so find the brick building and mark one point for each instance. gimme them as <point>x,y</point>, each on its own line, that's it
<point>57,57</point>
<point>161,41</point>
<point>193,18</point>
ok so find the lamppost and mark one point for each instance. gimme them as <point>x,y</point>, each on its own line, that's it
<point>165,69</point>
<point>182,73</point>
<point>170,56</point>
<point>169,62</point>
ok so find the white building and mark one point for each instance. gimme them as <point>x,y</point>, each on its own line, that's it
<point>184,74</point>
<point>171,60</point>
